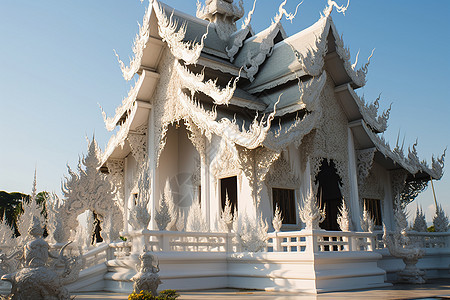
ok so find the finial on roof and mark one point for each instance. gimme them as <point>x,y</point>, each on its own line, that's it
<point>223,13</point>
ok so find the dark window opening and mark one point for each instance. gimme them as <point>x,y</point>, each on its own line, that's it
<point>329,194</point>
<point>373,206</point>
<point>229,185</point>
<point>285,199</point>
<point>96,236</point>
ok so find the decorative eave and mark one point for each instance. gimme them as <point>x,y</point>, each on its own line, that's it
<point>308,53</point>
<point>410,162</point>
<point>293,99</point>
<point>117,146</point>
<point>142,90</point>
<point>355,108</point>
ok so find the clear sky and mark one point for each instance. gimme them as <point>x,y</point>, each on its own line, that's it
<point>57,64</point>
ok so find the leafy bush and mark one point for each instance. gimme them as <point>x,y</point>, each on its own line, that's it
<point>146,295</point>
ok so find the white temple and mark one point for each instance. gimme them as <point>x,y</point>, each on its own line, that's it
<point>248,160</point>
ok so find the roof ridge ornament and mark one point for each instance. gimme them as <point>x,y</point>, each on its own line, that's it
<point>340,9</point>
<point>223,13</point>
<point>282,12</point>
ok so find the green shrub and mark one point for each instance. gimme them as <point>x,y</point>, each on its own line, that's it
<point>146,295</point>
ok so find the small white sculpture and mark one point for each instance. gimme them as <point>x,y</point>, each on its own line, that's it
<point>195,221</point>
<point>309,212</point>
<point>440,220</point>
<point>162,216</point>
<point>399,246</point>
<point>35,280</point>
<point>367,221</point>
<point>251,234</point>
<point>343,219</point>
<point>419,224</point>
<point>277,220</point>
<point>226,216</point>
<point>147,279</point>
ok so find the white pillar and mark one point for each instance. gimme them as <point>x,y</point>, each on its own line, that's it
<point>204,184</point>
<point>353,182</point>
<point>152,163</point>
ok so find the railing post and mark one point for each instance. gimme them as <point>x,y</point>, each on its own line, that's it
<point>229,242</point>
<point>311,242</point>
<point>164,241</point>
<point>277,243</point>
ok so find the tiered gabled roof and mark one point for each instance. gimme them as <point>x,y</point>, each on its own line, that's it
<point>257,67</point>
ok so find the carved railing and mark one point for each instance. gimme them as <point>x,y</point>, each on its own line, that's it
<point>424,240</point>
<point>176,241</point>
<point>96,256</point>
<point>320,241</point>
<point>315,241</point>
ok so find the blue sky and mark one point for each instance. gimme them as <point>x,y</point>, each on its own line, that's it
<point>57,64</point>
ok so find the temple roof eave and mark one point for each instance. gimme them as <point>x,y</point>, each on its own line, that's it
<point>117,147</point>
<point>396,158</point>
<point>142,90</point>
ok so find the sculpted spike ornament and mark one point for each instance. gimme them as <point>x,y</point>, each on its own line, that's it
<point>138,48</point>
<point>91,190</point>
<point>239,37</point>
<point>195,222</point>
<point>440,220</point>
<point>309,212</point>
<point>223,13</point>
<point>139,215</point>
<point>367,221</point>
<point>343,219</point>
<point>226,216</point>
<point>251,234</point>
<point>189,52</point>
<point>419,224</point>
<point>277,220</point>
<point>195,83</point>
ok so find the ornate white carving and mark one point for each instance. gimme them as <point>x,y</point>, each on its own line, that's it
<point>237,39</point>
<point>163,216</point>
<point>223,13</point>
<point>344,219</point>
<point>440,220</point>
<point>364,160</point>
<point>138,48</point>
<point>36,280</point>
<point>370,112</point>
<point>419,224</point>
<point>309,212</point>
<point>116,176</point>
<point>124,109</point>
<point>281,175</point>
<point>91,190</point>
<point>194,82</point>
<point>256,164</point>
<point>251,234</point>
<point>195,221</point>
<point>226,162</point>
<point>399,246</point>
<point>139,214</point>
<point>277,220</point>
<point>189,52</point>
<point>206,122</point>
<point>138,144</point>
<point>147,279</point>
<point>226,215</point>
<point>367,221</point>
<point>411,163</point>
